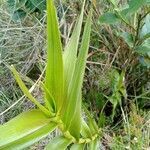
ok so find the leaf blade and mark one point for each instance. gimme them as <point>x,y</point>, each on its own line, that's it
<point>54,79</point>
<point>26,91</point>
<point>22,126</point>
<point>74,95</point>
<point>60,142</point>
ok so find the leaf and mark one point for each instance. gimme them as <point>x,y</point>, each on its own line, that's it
<point>41,5</point>
<point>49,100</point>
<point>144,49</point>
<point>74,95</point>
<point>30,7</point>
<point>60,143</point>
<point>26,91</point>
<point>145,61</point>
<point>134,5</point>
<point>85,130</point>
<point>146,27</point>
<point>18,15</point>
<point>54,80</point>
<point>128,38</point>
<point>94,145</point>
<point>77,147</point>
<point>102,120</point>
<point>91,122</point>
<point>24,130</point>
<point>15,5</point>
<point>114,2</point>
<point>109,18</point>
<point>70,53</point>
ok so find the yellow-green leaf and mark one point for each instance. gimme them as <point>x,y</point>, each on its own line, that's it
<point>58,143</point>
<point>94,145</point>
<point>70,53</point>
<point>24,130</point>
<point>26,91</point>
<point>77,147</point>
<point>54,80</point>
<point>74,95</point>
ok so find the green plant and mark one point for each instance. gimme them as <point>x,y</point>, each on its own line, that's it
<point>20,8</point>
<point>137,33</point>
<point>63,100</point>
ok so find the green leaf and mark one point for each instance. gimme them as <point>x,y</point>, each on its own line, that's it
<point>15,5</point>
<point>54,80</point>
<point>146,27</point>
<point>26,91</point>
<point>128,38</point>
<point>102,120</point>
<point>77,147</point>
<point>144,49</point>
<point>85,130</point>
<point>109,18</point>
<point>18,15</point>
<point>94,145</point>
<point>145,61</point>
<point>41,5</point>
<point>70,53</point>
<point>49,99</point>
<point>74,95</point>
<point>91,122</point>
<point>134,6</point>
<point>24,130</point>
<point>114,2</point>
<point>30,7</point>
<point>60,143</point>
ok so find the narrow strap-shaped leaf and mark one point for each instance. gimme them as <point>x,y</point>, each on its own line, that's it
<point>70,53</point>
<point>75,86</point>
<point>54,72</point>
<point>49,99</point>
<point>77,147</point>
<point>75,125</point>
<point>91,122</point>
<point>26,91</point>
<point>94,145</point>
<point>58,143</point>
<point>31,125</point>
<point>85,130</point>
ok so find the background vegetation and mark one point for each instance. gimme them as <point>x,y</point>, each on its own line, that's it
<point>117,82</point>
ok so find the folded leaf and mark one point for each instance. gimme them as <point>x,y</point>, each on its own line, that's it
<point>70,53</point>
<point>59,143</point>
<point>74,95</point>
<point>24,130</point>
<point>54,80</point>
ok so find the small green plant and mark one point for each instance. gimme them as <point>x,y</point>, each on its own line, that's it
<point>118,89</point>
<point>20,8</point>
<point>63,98</point>
<point>137,26</point>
